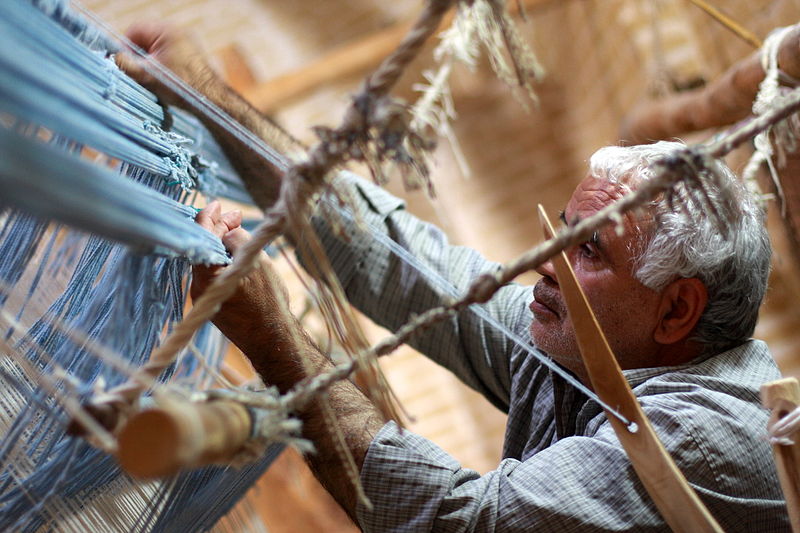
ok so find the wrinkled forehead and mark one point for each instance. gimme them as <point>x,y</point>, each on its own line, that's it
<point>598,191</point>
<point>595,192</point>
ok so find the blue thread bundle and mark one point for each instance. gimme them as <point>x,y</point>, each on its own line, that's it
<point>96,241</point>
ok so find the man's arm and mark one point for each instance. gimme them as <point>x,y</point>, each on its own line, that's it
<point>393,266</point>
<point>257,320</point>
<point>377,281</point>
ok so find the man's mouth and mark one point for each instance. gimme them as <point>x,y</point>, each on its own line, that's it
<point>543,300</point>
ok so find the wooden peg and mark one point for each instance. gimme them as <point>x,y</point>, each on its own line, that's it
<point>178,435</point>
<point>782,397</point>
<point>675,499</point>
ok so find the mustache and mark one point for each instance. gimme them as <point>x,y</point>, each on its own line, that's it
<point>546,293</point>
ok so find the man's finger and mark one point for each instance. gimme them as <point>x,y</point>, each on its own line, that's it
<point>132,67</point>
<point>146,35</point>
<point>232,219</point>
<point>235,239</point>
<point>209,217</point>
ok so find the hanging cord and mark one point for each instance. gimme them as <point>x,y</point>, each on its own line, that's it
<point>770,96</point>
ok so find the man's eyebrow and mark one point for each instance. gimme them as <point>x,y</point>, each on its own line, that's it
<point>594,239</point>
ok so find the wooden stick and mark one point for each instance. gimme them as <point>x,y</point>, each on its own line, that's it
<point>178,435</point>
<point>675,499</point>
<point>729,23</point>
<point>351,59</point>
<point>725,101</point>
<point>783,396</point>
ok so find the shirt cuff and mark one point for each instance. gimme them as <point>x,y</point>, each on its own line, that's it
<point>405,477</point>
<point>340,230</point>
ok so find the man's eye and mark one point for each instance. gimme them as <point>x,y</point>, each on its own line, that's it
<point>587,251</point>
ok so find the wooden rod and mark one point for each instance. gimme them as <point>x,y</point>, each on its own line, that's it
<point>162,441</point>
<point>675,499</point>
<point>724,101</point>
<point>345,61</point>
<point>739,30</point>
<point>782,397</point>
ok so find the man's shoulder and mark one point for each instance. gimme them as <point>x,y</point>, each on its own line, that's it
<point>714,400</point>
<point>720,389</point>
<point>709,417</point>
<point>738,371</point>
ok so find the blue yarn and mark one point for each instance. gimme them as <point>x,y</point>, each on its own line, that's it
<point>116,240</point>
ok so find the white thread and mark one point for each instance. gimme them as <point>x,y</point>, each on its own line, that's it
<point>770,96</point>
<point>783,431</point>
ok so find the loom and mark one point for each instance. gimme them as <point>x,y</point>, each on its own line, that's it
<point>97,237</point>
<point>75,123</point>
<point>94,275</point>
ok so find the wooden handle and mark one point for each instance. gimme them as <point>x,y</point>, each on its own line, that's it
<point>783,396</point>
<point>675,499</point>
<point>159,442</point>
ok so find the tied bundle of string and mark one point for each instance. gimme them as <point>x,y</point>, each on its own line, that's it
<point>780,138</point>
<point>481,22</point>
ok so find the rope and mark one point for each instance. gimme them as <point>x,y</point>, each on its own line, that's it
<point>770,96</point>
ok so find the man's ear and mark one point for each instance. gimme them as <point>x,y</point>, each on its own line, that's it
<point>682,304</point>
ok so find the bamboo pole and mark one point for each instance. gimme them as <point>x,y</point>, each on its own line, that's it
<point>162,441</point>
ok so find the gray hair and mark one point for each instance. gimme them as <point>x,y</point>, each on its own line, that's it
<point>734,269</point>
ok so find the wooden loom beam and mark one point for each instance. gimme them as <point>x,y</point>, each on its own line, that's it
<point>349,59</point>
<point>675,499</point>
<point>162,441</point>
<point>722,102</point>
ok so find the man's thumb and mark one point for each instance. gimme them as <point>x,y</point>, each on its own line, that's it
<point>235,239</point>
<point>132,67</point>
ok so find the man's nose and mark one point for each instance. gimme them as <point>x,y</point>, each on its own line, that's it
<point>546,270</point>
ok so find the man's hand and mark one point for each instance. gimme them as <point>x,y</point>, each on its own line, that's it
<point>174,49</point>
<point>259,300</point>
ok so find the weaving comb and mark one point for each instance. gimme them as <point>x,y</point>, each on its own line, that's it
<point>675,499</point>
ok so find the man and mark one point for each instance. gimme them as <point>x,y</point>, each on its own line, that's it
<point>677,302</point>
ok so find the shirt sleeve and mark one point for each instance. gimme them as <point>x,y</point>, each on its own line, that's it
<point>393,266</point>
<point>578,484</point>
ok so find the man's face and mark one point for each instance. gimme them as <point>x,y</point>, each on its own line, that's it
<point>625,309</point>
